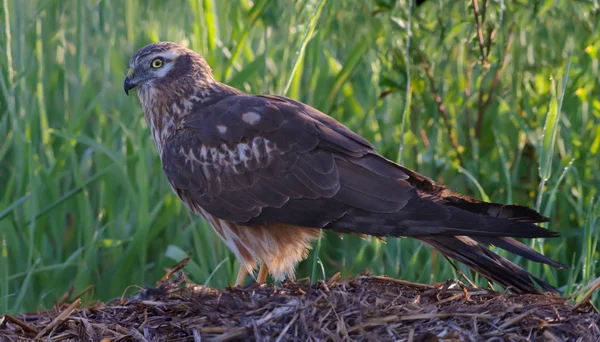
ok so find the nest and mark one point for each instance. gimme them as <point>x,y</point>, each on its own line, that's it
<point>366,308</point>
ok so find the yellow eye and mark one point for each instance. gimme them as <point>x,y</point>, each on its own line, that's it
<point>157,63</point>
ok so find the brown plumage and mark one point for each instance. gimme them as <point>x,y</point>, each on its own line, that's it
<point>269,173</point>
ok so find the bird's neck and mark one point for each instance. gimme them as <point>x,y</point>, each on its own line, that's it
<point>165,114</point>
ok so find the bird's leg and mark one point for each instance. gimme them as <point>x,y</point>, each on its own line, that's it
<point>241,277</point>
<point>262,274</point>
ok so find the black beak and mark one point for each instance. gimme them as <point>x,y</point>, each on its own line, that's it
<point>128,85</point>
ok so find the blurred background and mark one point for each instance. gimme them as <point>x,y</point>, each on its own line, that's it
<point>497,99</point>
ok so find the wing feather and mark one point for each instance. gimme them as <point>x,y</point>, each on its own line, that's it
<point>258,153</point>
<point>271,159</point>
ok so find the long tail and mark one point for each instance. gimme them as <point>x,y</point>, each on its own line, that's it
<point>491,265</point>
<point>464,228</point>
<point>458,226</point>
<point>473,250</point>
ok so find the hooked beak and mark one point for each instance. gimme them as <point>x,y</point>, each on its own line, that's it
<point>128,84</point>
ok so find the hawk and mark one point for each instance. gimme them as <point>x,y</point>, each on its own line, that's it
<point>270,173</point>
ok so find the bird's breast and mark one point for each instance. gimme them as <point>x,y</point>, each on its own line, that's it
<point>163,124</point>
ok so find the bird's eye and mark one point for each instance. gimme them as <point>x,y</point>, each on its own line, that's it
<point>157,63</point>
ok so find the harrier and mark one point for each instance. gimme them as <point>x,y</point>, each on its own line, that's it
<point>270,173</point>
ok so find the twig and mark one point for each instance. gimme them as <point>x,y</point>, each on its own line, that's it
<point>460,273</point>
<point>86,290</point>
<point>449,299</point>
<point>479,29</point>
<point>490,39</point>
<point>334,279</point>
<point>287,327</point>
<point>197,336</point>
<point>28,328</point>
<point>483,12</point>
<point>595,285</point>
<point>483,105</point>
<point>401,282</point>
<point>441,107</point>
<point>65,297</point>
<point>388,319</point>
<point>214,330</point>
<point>59,319</point>
<point>516,319</point>
<point>88,327</point>
<point>269,317</point>
<point>468,122</point>
<point>172,270</point>
<point>136,335</point>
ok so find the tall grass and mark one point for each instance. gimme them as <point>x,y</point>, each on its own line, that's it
<point>83,199</point>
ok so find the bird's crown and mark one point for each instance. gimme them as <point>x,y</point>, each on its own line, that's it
<point>160,48</point>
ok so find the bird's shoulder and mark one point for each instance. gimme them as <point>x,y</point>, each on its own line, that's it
<point>240,116</point>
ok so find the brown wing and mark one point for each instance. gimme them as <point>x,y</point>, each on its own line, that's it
<point>261,159</point>
<point>245,154</point>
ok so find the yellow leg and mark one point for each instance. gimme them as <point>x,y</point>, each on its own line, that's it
<point>241,277</point>
<point>262,274</point>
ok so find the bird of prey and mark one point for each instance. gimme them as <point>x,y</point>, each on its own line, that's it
<point>270,173</point>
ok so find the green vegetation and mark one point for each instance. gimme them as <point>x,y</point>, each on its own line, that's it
<point>83,199</point>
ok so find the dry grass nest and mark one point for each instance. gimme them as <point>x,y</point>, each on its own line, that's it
<point>366,308</point>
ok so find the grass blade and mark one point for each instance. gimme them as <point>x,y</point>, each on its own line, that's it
<point>407,100</point>
<point>300,52</point>
<point>549,134</point>
<point>12,207</point>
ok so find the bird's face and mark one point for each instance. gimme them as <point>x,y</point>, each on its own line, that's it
<point>153,63</point>
<point>167,64</point>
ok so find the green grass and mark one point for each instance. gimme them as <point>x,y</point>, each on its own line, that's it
<point>83,199</point>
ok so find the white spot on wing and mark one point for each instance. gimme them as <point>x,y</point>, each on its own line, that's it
<point>233,155</point>
<point>222,129</point>
<point>251,118</point>
<point>256,145</point>
<point>203,152</point>
<point>245,152</point>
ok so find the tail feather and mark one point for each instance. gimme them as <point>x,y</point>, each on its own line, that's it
<point>426,216</point>
<point>506,211</point>
<point>473,252</point>
<point>462,228</point>
<point>487,263</point>
<point>519,248</point>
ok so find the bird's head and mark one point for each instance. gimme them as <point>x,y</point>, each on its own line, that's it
<point>166,64</point>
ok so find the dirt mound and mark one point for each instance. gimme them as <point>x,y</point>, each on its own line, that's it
<point>367,308</point>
